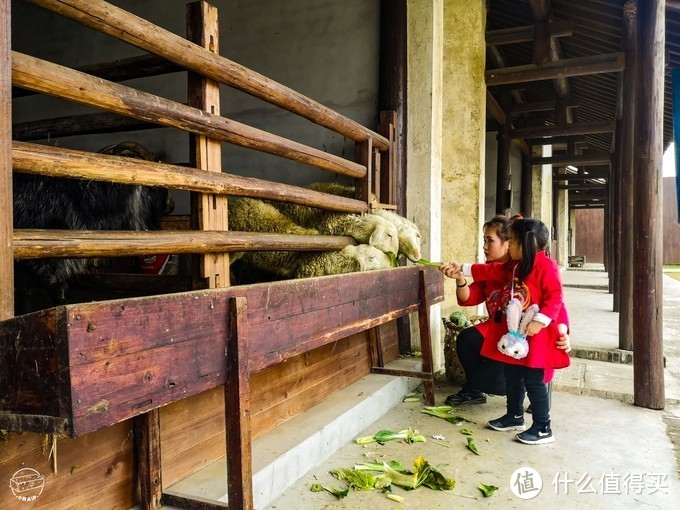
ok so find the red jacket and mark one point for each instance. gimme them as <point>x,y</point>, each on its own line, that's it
<point>542,287</point>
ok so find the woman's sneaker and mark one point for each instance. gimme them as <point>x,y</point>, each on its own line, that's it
<point>537,435</point>
<point>466,397</point>
<point>508,422</point>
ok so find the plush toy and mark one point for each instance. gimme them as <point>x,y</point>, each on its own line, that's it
<point>514,343</point>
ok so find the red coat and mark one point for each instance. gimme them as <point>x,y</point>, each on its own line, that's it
<point>542,287</point>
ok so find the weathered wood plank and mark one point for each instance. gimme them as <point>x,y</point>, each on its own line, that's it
<point>42,76</point>
<point>237,409</point>
<point>122,355</point>
<point>6,260</point>
<point>58,162</point>
<point>123,25</point>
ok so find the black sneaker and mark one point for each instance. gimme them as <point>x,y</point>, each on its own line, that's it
<point>507,422</point>
<point>536,435</point>
<point>465,397</point>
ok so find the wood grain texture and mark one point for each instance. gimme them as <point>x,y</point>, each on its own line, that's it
<point>125,357</point>
<point>6,218</point>
<point>123,25</point>
<point>48,78</point>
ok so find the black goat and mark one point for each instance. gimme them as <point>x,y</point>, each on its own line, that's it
<point>56,203</point>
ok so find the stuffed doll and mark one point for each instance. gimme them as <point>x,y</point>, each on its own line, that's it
<point>514,343</point>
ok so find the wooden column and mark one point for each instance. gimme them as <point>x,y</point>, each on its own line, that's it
<point>392,84</point>
<point>526,207</point>
<point>6,218</point>
<point>627,163</point>
<point>392,96</point>
<point>503,174</point>
<point>237,411</point>
<point>210,210</point>
<point>647,235</point>
<point>147,444</point>
<point>615,180</point>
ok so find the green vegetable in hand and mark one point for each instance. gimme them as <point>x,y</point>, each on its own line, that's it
<point>426,262</point>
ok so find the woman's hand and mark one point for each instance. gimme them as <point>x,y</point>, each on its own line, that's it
<point>451,269</point>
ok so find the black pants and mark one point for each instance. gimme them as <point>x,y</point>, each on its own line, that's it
<point>482,374</point>
<point>521,380</point>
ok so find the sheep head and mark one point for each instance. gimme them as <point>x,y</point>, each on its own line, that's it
<point>385,236</point>
<point>368,257</point>
<point>409,241</point>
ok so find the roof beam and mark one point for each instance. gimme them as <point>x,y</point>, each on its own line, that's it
<point>527,33</point>
<point>587,185</point>
<point>601,158</point>
<point>499,114</point>
<point>578,128</point>
<point>579,66</point>
<point>542,106</point>
<point>581,177</point>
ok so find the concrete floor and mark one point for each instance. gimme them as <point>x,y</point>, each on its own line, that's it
<point>608,453</point>
<point>617,455</point>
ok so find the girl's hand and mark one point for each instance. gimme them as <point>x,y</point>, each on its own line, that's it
<point>534,327</point>
<point>563,342</point>
<point>451,269</point>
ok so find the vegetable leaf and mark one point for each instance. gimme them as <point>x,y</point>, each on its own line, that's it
<point>382,436</point>
<point>394,497</point>
<point>356,479</point>
<point>426,262</point>
<point>487,490</point>
<point>393,258</point>
<point>444,412</point>
<point>338,493</point>
<point>472,446</point>
<point>466,432</point>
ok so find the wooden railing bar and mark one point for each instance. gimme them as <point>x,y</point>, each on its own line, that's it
<point>134,30</point>
<point>140,66</point>
<point>57,162</point>
<point>72,125</point>
<point>36,244</point>
<point>49,78</point>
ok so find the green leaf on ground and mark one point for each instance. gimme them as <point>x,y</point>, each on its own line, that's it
<point>472,447</point>
<point>487,490</point>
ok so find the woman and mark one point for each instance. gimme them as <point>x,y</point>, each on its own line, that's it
<point>484,375</point>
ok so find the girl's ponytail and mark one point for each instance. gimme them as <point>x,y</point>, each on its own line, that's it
<point>533,237</point>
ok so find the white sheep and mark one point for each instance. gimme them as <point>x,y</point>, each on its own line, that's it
<point>407,231</point>
<point>364,228</point>
<point>362,257</point>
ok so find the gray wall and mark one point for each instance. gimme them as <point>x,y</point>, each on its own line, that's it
<point>325,49</point>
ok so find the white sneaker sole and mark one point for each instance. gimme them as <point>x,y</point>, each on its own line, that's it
<point>545,440</point>
<point>504,429</point>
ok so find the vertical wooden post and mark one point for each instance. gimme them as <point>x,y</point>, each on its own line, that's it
<point>147,442</point>
<point>425,338</point>
<point>648,296</point>
<point>364,156</point>
<point>237,409</point>
<point>503,176</point>
<point>388,162</point>
<point>615,179</point>
<point>392,88</point>
<point>6,217</point>
<point>210,210</point>
<point>526,207</point>
<point>627,163</point>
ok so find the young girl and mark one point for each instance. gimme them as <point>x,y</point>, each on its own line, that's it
<point>534,280</point>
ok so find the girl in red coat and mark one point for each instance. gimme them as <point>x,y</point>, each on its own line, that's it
<point>534,280</point>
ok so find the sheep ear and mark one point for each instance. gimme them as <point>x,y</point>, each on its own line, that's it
<point>377,236</point>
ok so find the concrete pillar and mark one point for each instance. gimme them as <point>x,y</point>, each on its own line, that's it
<point>542,187</point>
<point>562,222</point>
<point>572,231</point>
<point>424,141</point>
<point>446,134</point>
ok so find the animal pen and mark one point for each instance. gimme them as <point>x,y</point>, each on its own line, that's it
<point>139,393</point>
